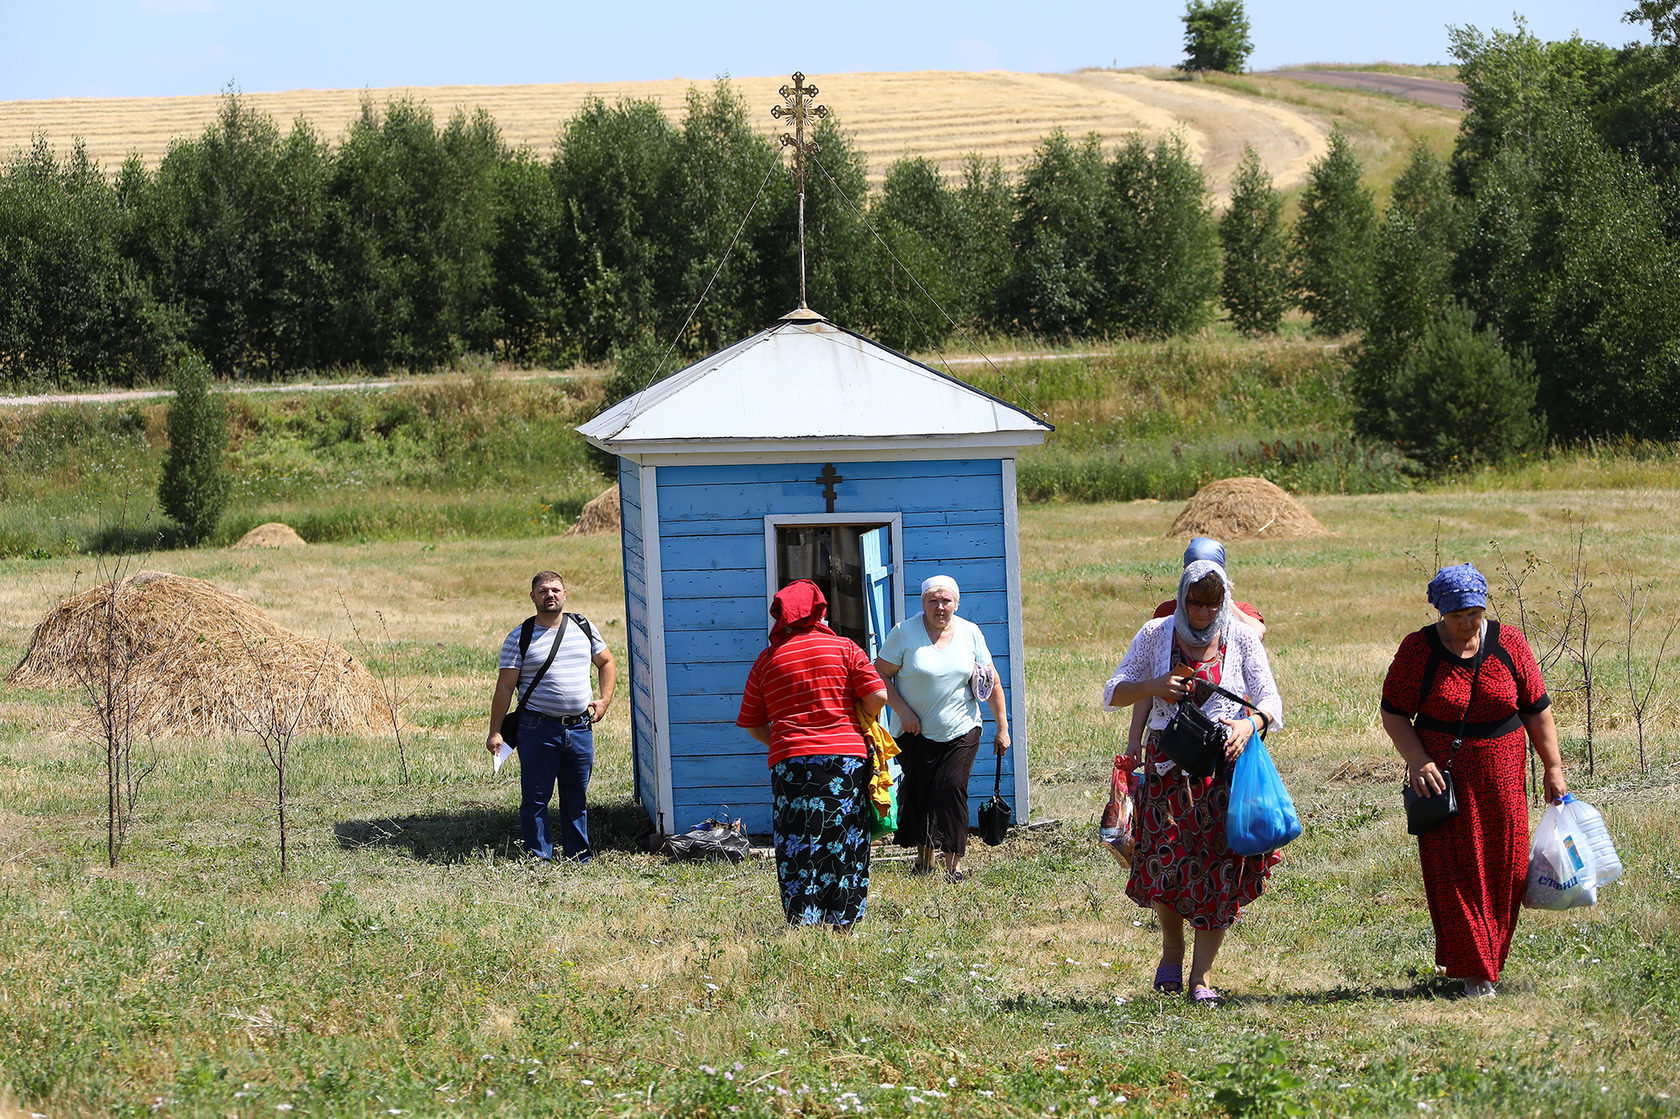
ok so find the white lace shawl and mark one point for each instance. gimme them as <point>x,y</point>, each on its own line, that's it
<point>1246,671</point>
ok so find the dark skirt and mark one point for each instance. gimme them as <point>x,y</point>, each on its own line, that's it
<point>933,798</point>
<point>1182,860</point>
<point>822,843</point>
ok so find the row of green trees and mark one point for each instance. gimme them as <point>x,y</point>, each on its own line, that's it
<point>408,245</point>
<point>1531,284</point>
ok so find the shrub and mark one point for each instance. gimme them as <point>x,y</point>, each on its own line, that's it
<point>194,487</point>
<point>1460,397</point>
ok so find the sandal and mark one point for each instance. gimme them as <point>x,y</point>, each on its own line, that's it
<point>1169,979</point>
<point>1206,996</point>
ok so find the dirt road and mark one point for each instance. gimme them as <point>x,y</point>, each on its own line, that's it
<point>1428,91</point>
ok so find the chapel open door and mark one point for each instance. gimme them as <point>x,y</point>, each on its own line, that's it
<point>852,563</point>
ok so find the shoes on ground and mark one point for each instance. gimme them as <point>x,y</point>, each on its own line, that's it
<point>1169,979</point>
<point>1206,996</point>
<point>1479,989</point>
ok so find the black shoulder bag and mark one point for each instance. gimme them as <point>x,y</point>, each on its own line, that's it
<point>510,720</point>
<point>1195,740</point>
<point>1426,812</point>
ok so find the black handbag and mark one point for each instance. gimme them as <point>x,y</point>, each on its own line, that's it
<point>1195,740</point>
<point>1426,812</point>
<point>510,720</point>
<point>995,814</point>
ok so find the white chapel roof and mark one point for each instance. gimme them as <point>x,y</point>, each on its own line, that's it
<point>811,387</point>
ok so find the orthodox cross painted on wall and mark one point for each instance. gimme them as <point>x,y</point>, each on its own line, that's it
<point>799,110</point>
<point>828,479</point>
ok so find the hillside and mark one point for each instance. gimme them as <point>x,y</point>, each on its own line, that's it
<point>943,115</point>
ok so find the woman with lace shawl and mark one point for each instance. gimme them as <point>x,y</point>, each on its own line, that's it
<point>1183,869</point>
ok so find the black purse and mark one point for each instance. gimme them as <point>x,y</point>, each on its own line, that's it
<point>1426,812</point>
<point>510,720</point>
<point>995,814</point>
<point>1195,740</point>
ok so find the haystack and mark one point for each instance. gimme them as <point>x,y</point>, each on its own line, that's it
<point>600,515</point>
<point>1244,509</point>
<point>204,661</point>
<point>274,534</point>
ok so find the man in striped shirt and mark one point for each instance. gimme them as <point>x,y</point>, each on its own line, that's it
<point>556,740</point>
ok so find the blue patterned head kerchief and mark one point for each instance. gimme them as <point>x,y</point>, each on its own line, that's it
<point>1204,548</point>
<point>1458,588</point>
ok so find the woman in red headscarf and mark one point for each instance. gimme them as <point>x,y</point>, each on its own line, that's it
<point>799,702</point>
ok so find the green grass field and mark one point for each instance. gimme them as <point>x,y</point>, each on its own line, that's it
<point>411,964</point>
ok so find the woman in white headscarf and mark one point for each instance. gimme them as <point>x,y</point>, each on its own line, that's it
<point>1183,869</point>
<point>931,664</point>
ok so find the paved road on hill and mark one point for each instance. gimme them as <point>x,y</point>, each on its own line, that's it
<point>1430,91</point>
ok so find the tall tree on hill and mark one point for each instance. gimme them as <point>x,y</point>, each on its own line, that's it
<point>1160,259</point>
<point>212,232</point>
<point>985,208</point>
<point>1413,263</point>
<point>838,246</point>
<point>1216,36</point>
<point>735,245</point>
<point>917,220</point>
<point>614,173</point>
<point>527,296</point>
<point>1055,286</point>
<point>1255,284</point>
<point>1335,241</point>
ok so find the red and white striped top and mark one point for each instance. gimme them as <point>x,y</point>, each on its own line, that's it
<point>804,689</point>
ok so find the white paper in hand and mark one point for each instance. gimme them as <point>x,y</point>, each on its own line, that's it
<point>502,755</point>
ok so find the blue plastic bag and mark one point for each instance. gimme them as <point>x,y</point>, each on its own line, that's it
<point>1261,817</point>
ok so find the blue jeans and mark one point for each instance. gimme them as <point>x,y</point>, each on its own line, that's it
<point>551,754</point>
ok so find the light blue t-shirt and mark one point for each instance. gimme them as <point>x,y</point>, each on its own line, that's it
<point>934,681</point>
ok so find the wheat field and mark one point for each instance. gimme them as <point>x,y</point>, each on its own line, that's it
<point>943,115</point>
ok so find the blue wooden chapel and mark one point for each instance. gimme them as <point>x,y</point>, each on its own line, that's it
<point>804,451</point>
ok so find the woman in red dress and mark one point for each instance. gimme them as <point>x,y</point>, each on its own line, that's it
<point>1475,864</point>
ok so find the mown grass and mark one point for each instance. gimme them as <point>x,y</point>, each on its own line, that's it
<point>410,963</point>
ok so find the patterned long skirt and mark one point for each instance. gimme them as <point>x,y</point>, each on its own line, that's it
<point>1475,866</point>
<point>822,843</point>
<point>1182,860</point>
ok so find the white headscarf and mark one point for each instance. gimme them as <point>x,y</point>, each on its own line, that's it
<point>945,581</point>
<point>1194,572</point>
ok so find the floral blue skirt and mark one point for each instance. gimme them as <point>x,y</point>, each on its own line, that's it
<point>822,846</point>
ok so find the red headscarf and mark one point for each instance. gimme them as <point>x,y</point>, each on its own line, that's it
<point>798,606</point>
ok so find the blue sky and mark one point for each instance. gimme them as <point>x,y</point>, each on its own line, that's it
<point>134,48</point>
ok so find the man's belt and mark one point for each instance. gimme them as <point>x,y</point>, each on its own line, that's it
<point>565,720</point>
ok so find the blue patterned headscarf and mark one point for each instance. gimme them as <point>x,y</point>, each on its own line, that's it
<point>1460,587</point>
<point>1195,571</point>
<point>1204,548</point>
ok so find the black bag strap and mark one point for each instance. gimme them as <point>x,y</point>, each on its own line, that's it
<point>1489,646</point>
<point>997,781</point>
<point>1235,698</point>
<point>525,634</point>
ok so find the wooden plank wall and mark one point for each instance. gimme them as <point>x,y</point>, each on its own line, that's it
<point>638,684</point>
<point>711,552</point>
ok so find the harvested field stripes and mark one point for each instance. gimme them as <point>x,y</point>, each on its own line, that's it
<point>942,115</point>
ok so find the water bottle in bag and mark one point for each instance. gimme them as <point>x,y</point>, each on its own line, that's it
<point>1607,866</point>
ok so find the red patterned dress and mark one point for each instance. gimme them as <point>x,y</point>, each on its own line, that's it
<point>1182,860</point>
<point>1474,865</point>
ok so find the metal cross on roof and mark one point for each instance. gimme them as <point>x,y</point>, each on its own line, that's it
<point>799,109</point>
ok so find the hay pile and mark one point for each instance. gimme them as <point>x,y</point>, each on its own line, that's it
<point>204,661</point>
<point>271,535</point>
<point>1244,509</point>
<point>600,515</point>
